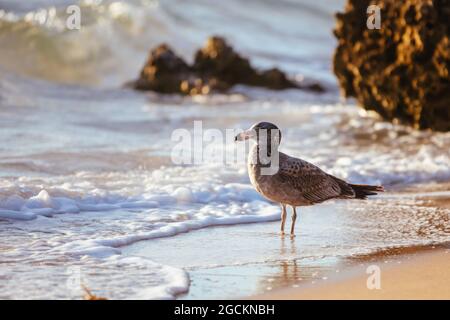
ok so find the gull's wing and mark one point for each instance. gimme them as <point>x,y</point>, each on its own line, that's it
<point>314,184</point>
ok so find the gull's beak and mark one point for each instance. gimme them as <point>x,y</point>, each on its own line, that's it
<point>245,135</point>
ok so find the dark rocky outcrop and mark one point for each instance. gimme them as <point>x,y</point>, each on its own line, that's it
<point>217,67</point>
<point>402,69</point>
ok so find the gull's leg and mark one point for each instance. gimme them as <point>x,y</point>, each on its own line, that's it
<point>283,217</point>
<point>294,217</point>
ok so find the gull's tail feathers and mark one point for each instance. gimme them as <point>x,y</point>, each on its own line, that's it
<point>364,190</point>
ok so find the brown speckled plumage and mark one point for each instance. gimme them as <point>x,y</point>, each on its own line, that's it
<point>296,182</point>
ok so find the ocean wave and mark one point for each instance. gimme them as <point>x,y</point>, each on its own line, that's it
<point>108,49</point>
<point>115,36</point>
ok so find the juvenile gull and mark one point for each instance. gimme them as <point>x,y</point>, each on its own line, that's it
<point>292,181</point>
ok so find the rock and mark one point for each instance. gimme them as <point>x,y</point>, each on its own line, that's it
<point>218,60</point>
<point>402,69</point>
<point>216,68</point>
<point>163,72</point>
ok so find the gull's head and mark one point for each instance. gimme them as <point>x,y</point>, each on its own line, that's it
<point>260,130</point>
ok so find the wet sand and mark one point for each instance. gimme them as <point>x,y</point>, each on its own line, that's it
<point>421,275</point>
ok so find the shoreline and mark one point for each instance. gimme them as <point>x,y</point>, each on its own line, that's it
<point>413,275</point>
<point>257,262</point>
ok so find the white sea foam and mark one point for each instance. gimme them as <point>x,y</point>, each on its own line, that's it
<point>104,212</point>
<point>114,277</point>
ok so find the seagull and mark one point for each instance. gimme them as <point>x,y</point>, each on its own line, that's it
<point>292,181</point>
